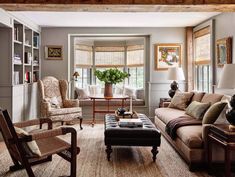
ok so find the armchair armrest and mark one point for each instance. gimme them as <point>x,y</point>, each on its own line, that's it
<point>71,103</point>
<point>49,133</point>
<point>33,122</point>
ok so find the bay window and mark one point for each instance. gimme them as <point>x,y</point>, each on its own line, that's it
<point>129,58</point>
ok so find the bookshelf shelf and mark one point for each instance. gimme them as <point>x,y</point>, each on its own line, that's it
<point>28,45</point>
<point>18,42</point>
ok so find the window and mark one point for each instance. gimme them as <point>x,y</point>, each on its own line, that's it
<point>202,60</point>
<point>125,58</point>
<point>135,65</point>
<point>83,64</point>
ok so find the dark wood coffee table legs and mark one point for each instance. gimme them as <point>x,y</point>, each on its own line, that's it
<point>154,152</point>
<point>108,151</point>
<point>81,123</point>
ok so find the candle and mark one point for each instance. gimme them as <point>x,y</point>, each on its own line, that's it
<point>131,105</point>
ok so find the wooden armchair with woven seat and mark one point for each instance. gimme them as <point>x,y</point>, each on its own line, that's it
<point>54,103</point>
<point>30,149</point>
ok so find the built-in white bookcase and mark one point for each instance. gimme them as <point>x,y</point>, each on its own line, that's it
<point>20,67</point>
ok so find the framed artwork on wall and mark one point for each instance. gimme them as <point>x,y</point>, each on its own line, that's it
<point>167,55</point>
<point>224,51</point>
<point>54,52</point>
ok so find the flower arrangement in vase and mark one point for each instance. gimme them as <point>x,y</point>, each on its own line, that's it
<point>109,77</point>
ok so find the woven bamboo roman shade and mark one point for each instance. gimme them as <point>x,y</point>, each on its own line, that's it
<point>135,55</point>
<point>109,56</point>
<point>202,46</point>
<point>83,56</point>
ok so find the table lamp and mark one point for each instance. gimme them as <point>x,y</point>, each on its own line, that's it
<point>175,74</point>
<point>75,75</point>
<point>227,81</point>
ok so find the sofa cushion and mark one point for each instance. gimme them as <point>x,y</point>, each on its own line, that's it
<point>211,98</point>
<point>213,112</point>
<point>197,109</point>
<point>191,135</point>
<point>197,96</point>
<point>167,114</point>
<point>181,100</point>
<point>63,111</point>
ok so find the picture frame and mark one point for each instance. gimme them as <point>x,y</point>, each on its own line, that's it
<point>224,51</point>
<point>54,52</point>
<point>167,55</point>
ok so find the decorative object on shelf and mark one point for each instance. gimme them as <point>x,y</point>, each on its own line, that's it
<point>28,58</point>
<point>36,41</point>
<point>76,75</point>
<point>227,81</point>
<point>175,73</point>
<point>16,33</point>
<point>167,55</point>
<point>224,51</point>
<point>110,76</point>
<point>53,52</point>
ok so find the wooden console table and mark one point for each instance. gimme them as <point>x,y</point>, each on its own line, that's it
<point>107,99</point>
<point>221,135</point>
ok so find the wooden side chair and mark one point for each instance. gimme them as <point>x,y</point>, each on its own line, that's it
<point>47,142</point>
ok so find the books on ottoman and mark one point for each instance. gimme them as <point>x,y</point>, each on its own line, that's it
<point>130,123</point>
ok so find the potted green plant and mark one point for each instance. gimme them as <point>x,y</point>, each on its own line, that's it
<point>109,77</point>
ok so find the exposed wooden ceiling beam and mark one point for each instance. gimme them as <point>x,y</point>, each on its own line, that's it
<point>111,2</point>
<point>119,8</point>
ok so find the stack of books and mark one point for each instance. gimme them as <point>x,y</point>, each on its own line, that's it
<point>130,123</point>
<point>28,77</point>
<point>17,59</point>
<point>16,77</point>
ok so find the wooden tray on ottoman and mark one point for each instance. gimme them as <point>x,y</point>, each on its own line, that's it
<point>134,115</point>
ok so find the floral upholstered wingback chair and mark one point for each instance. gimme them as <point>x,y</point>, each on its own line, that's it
<point>54,103</point>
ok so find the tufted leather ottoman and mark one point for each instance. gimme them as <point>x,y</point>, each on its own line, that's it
<point>148,135</point>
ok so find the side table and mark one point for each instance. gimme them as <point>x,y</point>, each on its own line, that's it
<point>164,102</point>
<point>221,135</point>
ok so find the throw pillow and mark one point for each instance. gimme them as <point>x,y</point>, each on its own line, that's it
<point>181,100</point>
<point>213,112</point>
<point>82,93</point>
<point>31,147</point>
<point>94,89</point>
<point>54,102</point>
<point>119,90</point>
<point>140,94</point>
<point>131,92</point>
<point>197,109</point>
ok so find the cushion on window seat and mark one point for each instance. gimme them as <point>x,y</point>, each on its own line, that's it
<point>63,111</point>
<point>88,102</point>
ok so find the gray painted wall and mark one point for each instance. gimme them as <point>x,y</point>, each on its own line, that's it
<point>224,27</point>
<point>158,84</point>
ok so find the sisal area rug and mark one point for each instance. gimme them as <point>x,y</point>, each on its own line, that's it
<point>92,162</point>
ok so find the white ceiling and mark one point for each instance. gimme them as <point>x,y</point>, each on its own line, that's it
<point>116,19</point>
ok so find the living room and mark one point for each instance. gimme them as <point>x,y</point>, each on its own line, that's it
<point>133,40</point>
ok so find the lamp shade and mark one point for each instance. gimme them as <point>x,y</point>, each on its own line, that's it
<point>175,73</point>
<point>76,74</point>
<point>227,79</point>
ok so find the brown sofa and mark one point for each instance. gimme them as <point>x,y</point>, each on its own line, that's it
<point>190,141</point>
